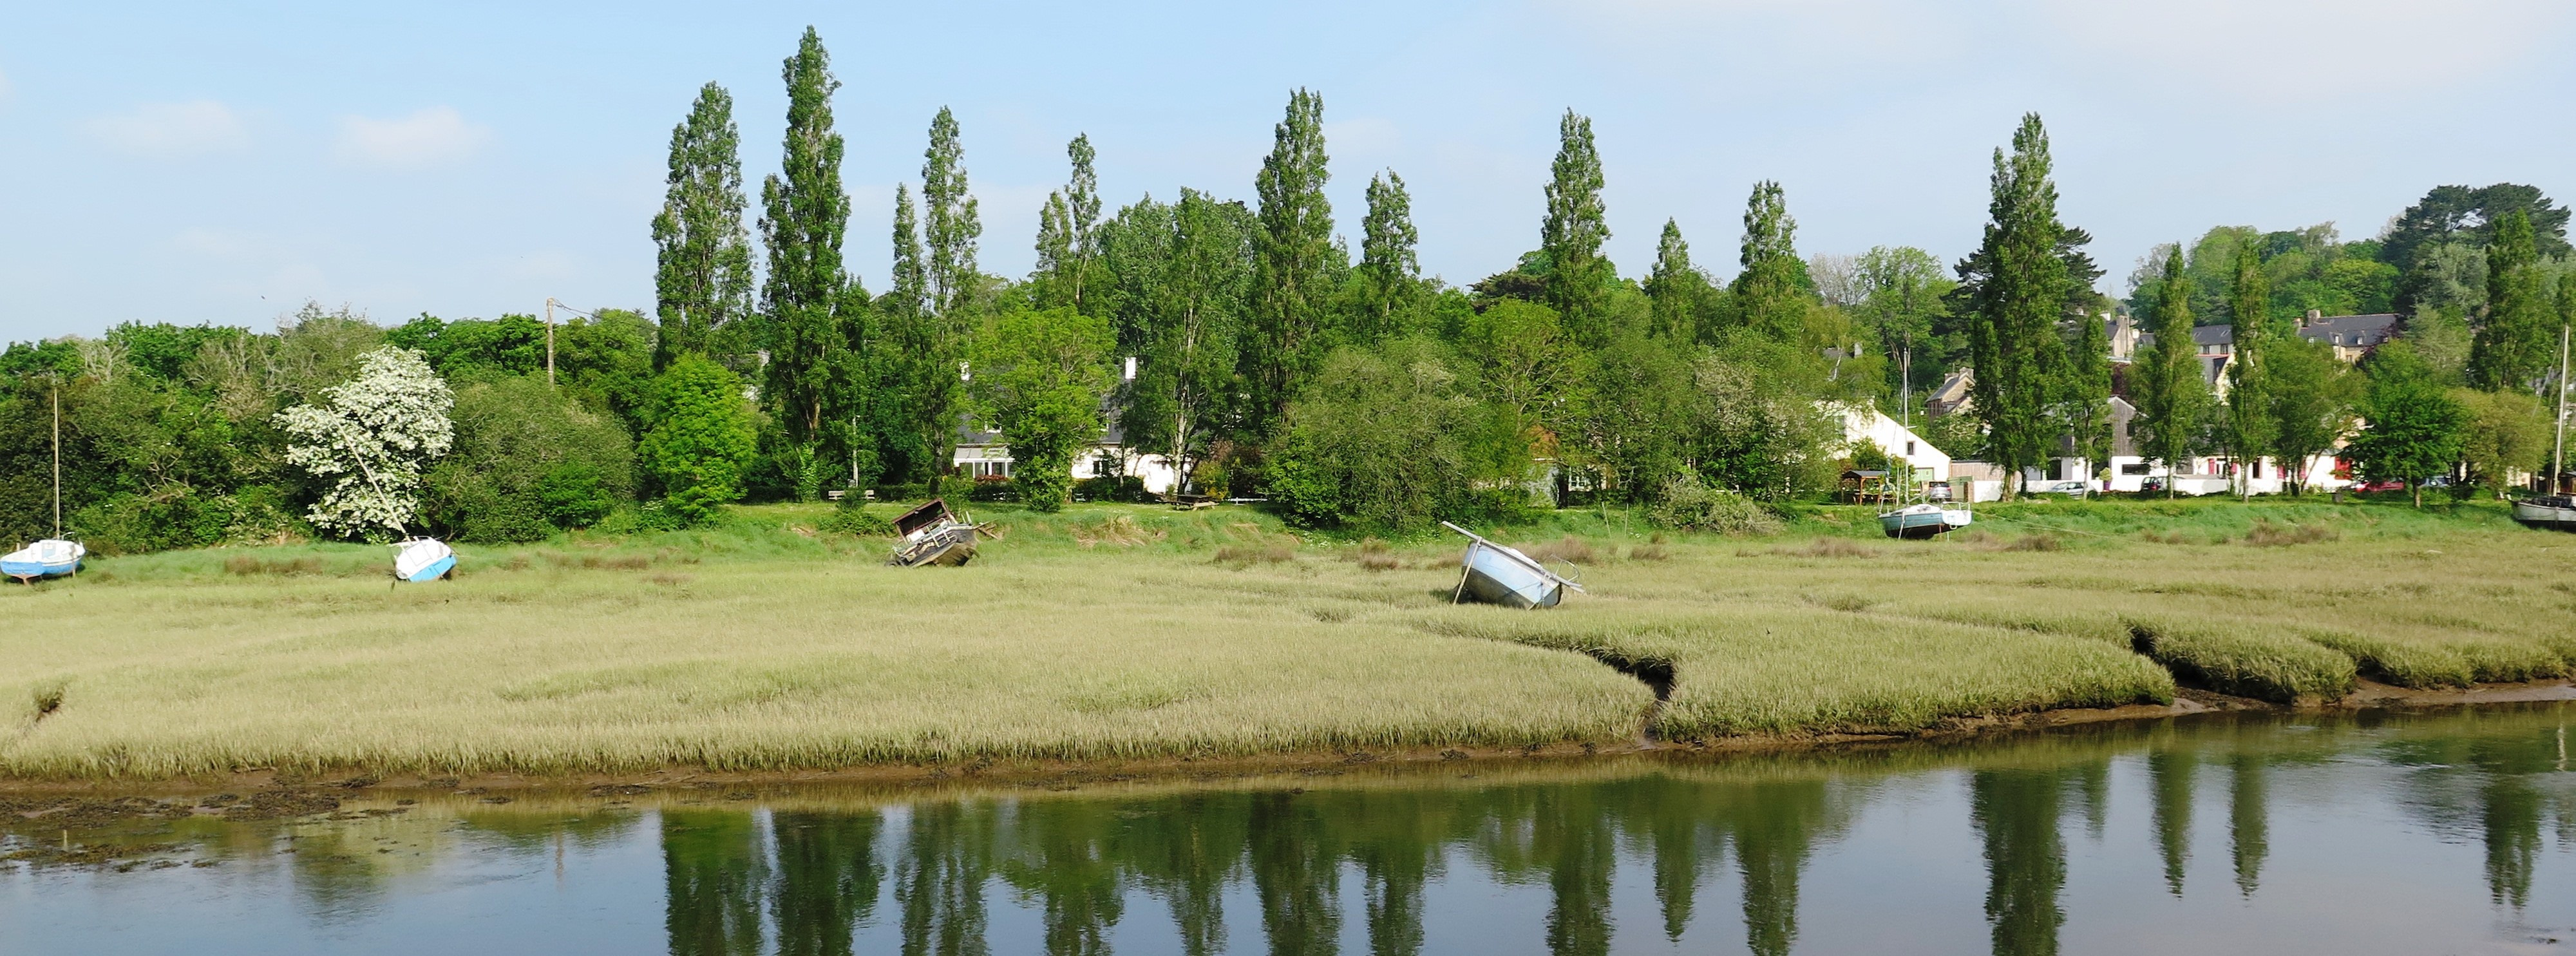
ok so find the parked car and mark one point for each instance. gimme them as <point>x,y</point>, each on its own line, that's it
<point>2060,488</point>
<point>2380,486</point>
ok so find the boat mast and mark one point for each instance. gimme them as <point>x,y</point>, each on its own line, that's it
<point>58,457</point>
<point>2558,456</point>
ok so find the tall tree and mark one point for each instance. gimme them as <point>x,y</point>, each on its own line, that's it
<point>2086,396</point>
<point>1770,293</point>
<point>2250,427</point>
<point>1195,317</point>
<point>1389,269</point>
<point>1296,261</point>
<point>1038,380</point>
<point>1571,235</point>
<point>2172,394</point>
<point>2311,394</point>
<point>2014,286</point>
<point>1676,290</point>
<point>950,224</point>
<point>2512,348</point>
<point>702,278</point>
<point>1068,244</point>
<point>2414,428</point>
<point>919,365</point>
<point>1902,291</point>
<point>805,216</point>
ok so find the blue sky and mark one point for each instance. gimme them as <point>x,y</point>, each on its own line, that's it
<point>223,163</point>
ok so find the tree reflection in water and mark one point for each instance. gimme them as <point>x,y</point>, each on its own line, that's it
<point>1081,864</point>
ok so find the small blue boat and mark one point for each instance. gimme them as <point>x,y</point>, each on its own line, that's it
<point>52,557</point>
<point>1497,574</point>
<point>423,559</point>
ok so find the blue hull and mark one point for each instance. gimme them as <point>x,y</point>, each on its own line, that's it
<point>35,569</point>
<point>433,571</point>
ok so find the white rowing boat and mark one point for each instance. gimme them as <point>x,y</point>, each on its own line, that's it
<point>1499,574</point>
<point>423,559</point>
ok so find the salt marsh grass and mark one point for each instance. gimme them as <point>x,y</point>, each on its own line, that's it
<point>1124,631</point>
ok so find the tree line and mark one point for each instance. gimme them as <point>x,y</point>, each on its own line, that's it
<point>1270,361</point>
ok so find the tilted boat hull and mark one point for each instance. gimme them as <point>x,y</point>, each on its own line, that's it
<point>2556,513</point>
<point>1500,575</point>
<point>52,557</point>
<point>423,559</point>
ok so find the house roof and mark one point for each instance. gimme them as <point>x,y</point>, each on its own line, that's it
<point>2213,334</point>
<point>2352,330</point>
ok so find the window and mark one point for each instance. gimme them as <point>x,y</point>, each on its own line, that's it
<point>1102,467</point>
<point>1909,449</point>
<point>2134,468</point>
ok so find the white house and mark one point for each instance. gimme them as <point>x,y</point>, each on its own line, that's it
<point>1866,423</point>
<point>983,455</point>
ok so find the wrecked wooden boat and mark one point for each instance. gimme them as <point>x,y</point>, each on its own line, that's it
<point>932,534</point>
<point>1499,574</point>
<point>2553,512</point>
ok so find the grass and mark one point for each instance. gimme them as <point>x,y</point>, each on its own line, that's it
<point>772,643</point>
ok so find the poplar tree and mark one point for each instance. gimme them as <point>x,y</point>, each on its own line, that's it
<point>2173,396</point>
<point>702,275</point>
<point>950,223</point>
<point>2250,427</point>
<point>921,370</point>
<point>2087,391</point>
<point>2513,348</point>
<point>1295,259</point>
<point>1675,288</point>
<point>2014,287</point>
<point>1571,235</point>
<point>1068,244</point>
<point>1390,270</point>
<point>1768,292</point>
<point>805,216</point>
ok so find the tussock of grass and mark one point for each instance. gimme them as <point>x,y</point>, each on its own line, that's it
<point>2397,661</point>
<point>1781,670</point>
<point>2248,661</point>
<point>2267,534</point>
<point>1569,549</point>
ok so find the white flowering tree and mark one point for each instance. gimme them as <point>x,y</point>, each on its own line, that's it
<point>371,438</point>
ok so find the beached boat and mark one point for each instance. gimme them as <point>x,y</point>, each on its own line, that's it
<point>2555,512</point>
<point>931,534</point>
<point>1498,574</point>
<point>423,559</point>
<point>52,557</point>
<point>1923,520</point>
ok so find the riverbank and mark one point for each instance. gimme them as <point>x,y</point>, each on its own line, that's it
<point>1118,635</point>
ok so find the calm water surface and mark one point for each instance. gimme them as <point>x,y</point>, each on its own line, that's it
<point>2377,833</point>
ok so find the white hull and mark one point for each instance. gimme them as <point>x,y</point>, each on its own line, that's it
<point>423,559</point>
<point>51,557</point>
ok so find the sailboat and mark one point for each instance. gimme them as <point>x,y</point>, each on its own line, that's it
<point>2553,511</point>
<point>54,556</point>
<point>419,560</point>
<point>1924,519</point>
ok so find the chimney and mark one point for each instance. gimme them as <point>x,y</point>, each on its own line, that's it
<point>2312,316</point>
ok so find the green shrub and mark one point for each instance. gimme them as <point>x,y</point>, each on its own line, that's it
<point>1686,504</point>
<point>852,517</point>
<point>528,462</point>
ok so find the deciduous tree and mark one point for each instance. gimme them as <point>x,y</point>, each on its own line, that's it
<point>2251,428</point>
<point>951,226</point>
<point>806,215</point>
<point>2173,394</point>
<point>1571,235</point>
<point>1296,262</point>
<point>701,441</point>
<point>1038,379</point>
<point>1770,295</point>
<point>2513,349</point>
<point>369,440</point>
<point>702,279</point>
<point>2414,427</point>
<point>1390,273</point>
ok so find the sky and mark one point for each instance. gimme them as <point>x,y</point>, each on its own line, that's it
<point>225,163</point>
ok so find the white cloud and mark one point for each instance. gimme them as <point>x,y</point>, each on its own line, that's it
<point>172,129</point>
<point>434,136</point>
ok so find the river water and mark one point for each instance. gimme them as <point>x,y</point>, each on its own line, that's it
<point>2449,832</point>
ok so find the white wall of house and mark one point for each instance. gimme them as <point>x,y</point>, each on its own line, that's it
<point>1098,461</point>
<point>2209,475</point>
<point>1863,423</point>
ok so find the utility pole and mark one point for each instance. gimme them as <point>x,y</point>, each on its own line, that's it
<point>550,341</point>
